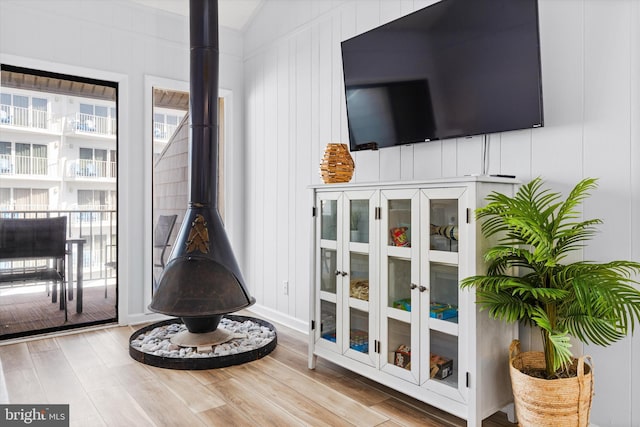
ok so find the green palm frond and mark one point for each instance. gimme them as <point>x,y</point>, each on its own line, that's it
<point>526,281</point>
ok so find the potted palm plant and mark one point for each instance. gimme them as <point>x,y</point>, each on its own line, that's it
<point>530,280</point>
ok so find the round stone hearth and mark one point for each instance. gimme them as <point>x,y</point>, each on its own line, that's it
<point>168,344</point>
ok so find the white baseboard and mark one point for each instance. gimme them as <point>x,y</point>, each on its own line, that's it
<point>138,318</point>
<point>276,316</point>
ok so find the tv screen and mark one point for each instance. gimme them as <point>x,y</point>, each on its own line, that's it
<point>455,68</point>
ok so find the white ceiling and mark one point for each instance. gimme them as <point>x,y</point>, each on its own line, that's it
<point>231,13</point>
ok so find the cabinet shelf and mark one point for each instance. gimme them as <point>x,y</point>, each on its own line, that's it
<point>328,296</point>
<point>397,314</point>
<point>444,326</point>
<point>359,304</point>
<point>399,252</point>
<point>443,257</point>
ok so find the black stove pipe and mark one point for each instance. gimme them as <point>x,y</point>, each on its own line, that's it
<point>202,280</point>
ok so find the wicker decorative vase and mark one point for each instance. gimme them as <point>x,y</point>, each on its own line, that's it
<point>564,402</point>
<point>337,164</point>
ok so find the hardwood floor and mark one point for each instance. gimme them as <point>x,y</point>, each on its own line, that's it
<point>93,373</point>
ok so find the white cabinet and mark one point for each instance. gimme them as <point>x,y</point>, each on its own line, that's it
<point>385,303</point>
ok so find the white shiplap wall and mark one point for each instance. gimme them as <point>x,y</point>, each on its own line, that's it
<point>295,106</point>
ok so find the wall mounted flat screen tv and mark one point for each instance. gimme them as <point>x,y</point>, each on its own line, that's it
<point>455,68</point>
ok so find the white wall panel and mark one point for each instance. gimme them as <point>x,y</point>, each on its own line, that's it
<point>285,240</point>
<point>606,143</point>
<point>427,160</point>
<point>591,96</point>
<point>514,154</point>
<point>634,225</point>
<point>390,164</point>
<point>469,155</point>
<point>268,138</point>
<point>406,162</point>
<point>303,172</point>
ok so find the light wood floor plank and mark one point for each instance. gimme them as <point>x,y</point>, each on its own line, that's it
<point>15,357</point>
<point>118,409</point>
<point>243,398</point>
<point>61,386</point>
<point>288,399</point>
<point>342,405</point>
<point>108,349</point>
<point>226,416</point>
<point>88,367</point>
<point>161,405</point>
<point>23,386</point>
<point>195,395</point>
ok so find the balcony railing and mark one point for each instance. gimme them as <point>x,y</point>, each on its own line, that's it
<point>23,165</point>
<point>97,227</point>
<point>163,131</point>
<point>90,123</point>
<point>92,169</point>
<point>23,117</point>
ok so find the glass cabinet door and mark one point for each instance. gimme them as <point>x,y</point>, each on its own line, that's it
<point>328,272</point>
<point>399,275</point>
<point>360,283</point>
<point>443,235</point>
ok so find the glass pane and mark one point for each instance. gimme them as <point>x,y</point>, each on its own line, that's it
<point>328,270</point>
<point>40,151</point>
<point>329,219</point>
<point>23,158</point>
<point>399,344</point>
<point>359,221</point>
<point>444,357</point>
<point>20,101</point>
<point>444,292</point>
<point>101,155</point>
<point>359,286</point>
<point>444,225</point>
<point>359,330</point>
<point>399,285</point>
<point>86,153</point>
<point>5,99</point>
<point>328,320</point>
<point>399,223</point>
<point>39,104</point>
<point>86,109</point>
<point>102,111</point>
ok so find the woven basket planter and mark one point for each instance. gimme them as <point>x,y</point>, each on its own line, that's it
<point>564,402</point>
<point>337,164</point>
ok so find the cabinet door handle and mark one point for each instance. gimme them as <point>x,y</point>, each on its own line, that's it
<point>422,289</point>
<point>344,273</point>
<point>337,272</point>
<point>413,286</point>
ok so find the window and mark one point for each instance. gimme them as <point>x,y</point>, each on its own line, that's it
<point>97,118</point>
<point>5,157</point>
<point>31,159</point>
<point>18,111</point>
<point>92,198</point>
<point>93,162</point>
<point>165,125</point>
<point>5,199</point>
<point>31,199</point>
